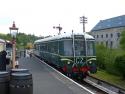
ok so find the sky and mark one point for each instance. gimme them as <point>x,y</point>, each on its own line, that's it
<point>39,16</point>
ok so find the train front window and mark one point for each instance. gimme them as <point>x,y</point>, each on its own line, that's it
<point>90,48</point>
<point>79,48</point>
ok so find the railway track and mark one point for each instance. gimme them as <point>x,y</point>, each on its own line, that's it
<point>94,89</point>
<point>104,86</point>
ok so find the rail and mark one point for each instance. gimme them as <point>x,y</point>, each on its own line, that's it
<point>104,86</point>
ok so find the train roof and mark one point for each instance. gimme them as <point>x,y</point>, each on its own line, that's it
<point>2,41</point>
<point>65,35</point>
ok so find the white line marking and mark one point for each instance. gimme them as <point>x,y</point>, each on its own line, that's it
<point>67,77</point>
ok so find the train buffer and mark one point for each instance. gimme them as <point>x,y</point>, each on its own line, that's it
<point>46,80</point>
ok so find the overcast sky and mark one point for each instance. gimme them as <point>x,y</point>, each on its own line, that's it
<point>39,16</point>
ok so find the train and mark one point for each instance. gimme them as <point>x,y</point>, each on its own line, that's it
<point>72,53</point>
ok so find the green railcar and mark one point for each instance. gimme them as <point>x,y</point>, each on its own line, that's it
<point>73,53</point>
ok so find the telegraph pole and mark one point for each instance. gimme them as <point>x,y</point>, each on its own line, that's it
<point>83,20</point>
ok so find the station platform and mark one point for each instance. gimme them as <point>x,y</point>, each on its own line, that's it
<point>47,80</point>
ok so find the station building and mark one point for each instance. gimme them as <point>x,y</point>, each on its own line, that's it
<point>108,31</point>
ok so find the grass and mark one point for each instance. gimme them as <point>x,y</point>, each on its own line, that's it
<point>113,79</point>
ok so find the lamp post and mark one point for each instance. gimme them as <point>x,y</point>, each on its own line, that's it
<point>13,32</point>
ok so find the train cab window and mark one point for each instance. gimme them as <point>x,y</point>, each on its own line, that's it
<point>79,48</point>
<point>90,48</point>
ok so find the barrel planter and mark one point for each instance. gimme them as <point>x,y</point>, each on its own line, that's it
<point>21,83</point>
<point>4,82</point>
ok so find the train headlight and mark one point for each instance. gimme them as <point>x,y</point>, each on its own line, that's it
<point>68,62</point>
<point>90,62</point>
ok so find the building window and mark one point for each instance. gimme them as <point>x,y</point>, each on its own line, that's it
<point>101,36</point>
<point>106,35</point>
<point>118,35</point>
<point>111,35</point>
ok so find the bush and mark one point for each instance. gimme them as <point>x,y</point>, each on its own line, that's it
<point>106,58</point>
<point>120,64</point>
<point>101,56</point>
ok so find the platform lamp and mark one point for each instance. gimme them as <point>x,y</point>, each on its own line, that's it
<point>13,33</point>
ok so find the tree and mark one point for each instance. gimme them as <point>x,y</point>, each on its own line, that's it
<point>21,38</point>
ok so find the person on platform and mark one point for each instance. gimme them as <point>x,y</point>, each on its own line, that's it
<point>3,60</point>
<point>16,62</point>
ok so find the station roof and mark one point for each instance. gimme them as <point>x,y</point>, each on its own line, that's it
<point>114,22</point>
<point>65,35</point>
<point>2,41</point>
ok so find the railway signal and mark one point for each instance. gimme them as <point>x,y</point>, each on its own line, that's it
<point>59,28</point>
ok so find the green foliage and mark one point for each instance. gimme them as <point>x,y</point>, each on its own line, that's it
<point>113,79</point>
<point>101,52</point>
<point>120,64</point>
<point>5,36</point>
<point>22,39</point>
<point>106,58</point>
<point>122,40</point>
<point>111,56</point>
